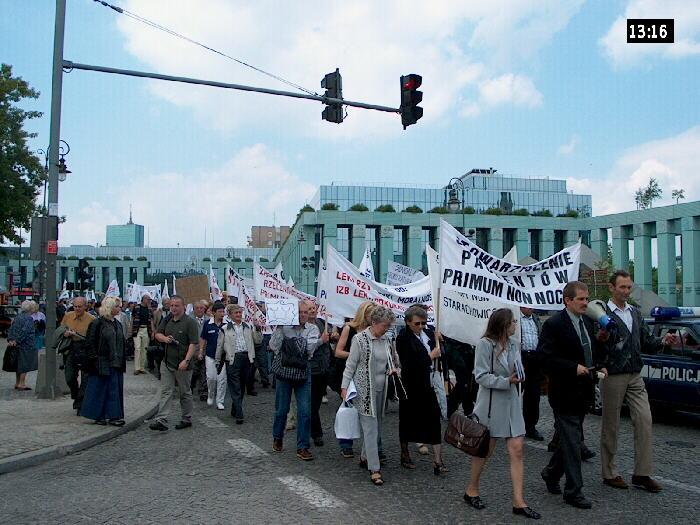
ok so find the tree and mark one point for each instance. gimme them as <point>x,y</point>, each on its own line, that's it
<point>385,208</point>
<point>678,194</point>
<point>21,171</point>
<point>542,213</point>
<point>439,209</point>
<point>413,209</point>
<point>493,211</point>
<point>522,212</point>
<point>358,207</point>
<point>644,197</point>
<point>329,206</point>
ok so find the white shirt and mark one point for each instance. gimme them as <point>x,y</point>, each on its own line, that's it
<point>625,314</point>
<point>240,340</point>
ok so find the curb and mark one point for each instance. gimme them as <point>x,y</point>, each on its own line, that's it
<point>36,457</point>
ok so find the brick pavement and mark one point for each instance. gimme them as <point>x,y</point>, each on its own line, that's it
<point>218,472</point>
<point>32,429</point>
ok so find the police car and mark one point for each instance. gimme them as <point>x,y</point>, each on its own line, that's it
<point>672,376</point>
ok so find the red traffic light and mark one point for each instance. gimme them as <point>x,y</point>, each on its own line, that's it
<point>412,81</point>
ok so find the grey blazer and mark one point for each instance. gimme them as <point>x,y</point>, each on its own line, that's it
<point>506,403</point>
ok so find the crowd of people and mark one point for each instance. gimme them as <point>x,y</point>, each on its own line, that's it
<point>213,351</point>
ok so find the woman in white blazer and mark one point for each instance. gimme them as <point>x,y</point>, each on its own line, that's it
<point>499,405</point>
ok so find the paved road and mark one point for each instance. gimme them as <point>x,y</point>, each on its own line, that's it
<point>218,472</point>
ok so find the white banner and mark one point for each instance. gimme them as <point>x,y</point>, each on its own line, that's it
<point>165,294</point>
<point>399,274</point>
<point>279,272</point>
<point>366,267</point>
<point>342,289</point>
<point>174,289</point>
<point>236,287</point>
<point>214,289</point>
<point>134,292</point>
<point>113,289</point>
<point>462,316</point>
<point>466,268</point>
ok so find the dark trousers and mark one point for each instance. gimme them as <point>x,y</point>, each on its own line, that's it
<point>236,376</point>
<point>465,389</point>
<point>260,364</point>
<point>76,379</point>
<point>199,380</point>
<point>531,389</point>
<point>319,382</point>
<point>566,459</point>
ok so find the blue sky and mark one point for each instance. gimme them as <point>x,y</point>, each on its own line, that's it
<point>531,87</point>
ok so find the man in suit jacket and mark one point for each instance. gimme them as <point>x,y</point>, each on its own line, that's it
<point>570,352</point>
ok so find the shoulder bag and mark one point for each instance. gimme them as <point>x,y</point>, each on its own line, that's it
<point>291,362</point>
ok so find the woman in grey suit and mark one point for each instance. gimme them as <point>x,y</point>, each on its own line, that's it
<point>499,405</point>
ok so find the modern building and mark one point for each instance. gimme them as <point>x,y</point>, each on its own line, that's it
<point>480,189</point>
<point>125,235</point>
<point>268,236</point>
<point>403,236</point>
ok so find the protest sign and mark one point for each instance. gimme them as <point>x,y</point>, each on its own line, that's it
<point>165,294</point>
<point>193,288</point>
<point>467,268</point>
<point>342,289</point>
<point>399,274</point>
<point>366,267</point>
<point>214,289</point>
<point>282,312</point>
<point>236,287</point>
<point>113,289</point>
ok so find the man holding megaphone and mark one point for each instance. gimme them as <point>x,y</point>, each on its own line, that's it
<point>625,384</point>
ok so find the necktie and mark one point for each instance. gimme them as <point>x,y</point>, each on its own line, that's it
<point>585,343</point>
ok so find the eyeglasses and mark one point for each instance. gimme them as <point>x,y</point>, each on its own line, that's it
<point>420,323</point>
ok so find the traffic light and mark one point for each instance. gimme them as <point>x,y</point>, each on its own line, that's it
<point>84,277</point>
<point>333,84</point>
<point>410,98</point>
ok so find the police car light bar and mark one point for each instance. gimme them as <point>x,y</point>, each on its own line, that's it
<point>671,312</point>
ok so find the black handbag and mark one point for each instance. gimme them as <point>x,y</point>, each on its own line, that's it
<point>291,362</point>
<point>9,360</point>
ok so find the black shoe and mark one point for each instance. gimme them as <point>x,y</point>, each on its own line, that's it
<point>534,434</point>
<point>586,454</point>
<point>76,405</point>
<point>551,447</point>
<point>552,486</point>
<point>527,512</point>
<point>579,502</point>
<point>239,421</point>
<point>474,501</point>
<point>318,442</point>
<point>253,393</point>
<point>100,422</point>
<point>157,425</point>
<point>183,424</point>
<point>347,453</point>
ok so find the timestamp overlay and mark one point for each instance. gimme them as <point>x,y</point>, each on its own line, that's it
<point>650,30</point>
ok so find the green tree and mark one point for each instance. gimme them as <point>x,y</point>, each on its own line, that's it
<point>645,196</point>
<point>678,195</point>
<point>358,207</point>
<point>522,212</point>
<point>385,208</point>
<point>439,209</point>
<point>21,171</point>
<point>330,206</point>
<point>493,211</point>
<point>542,213</point>
<point>413,209</point>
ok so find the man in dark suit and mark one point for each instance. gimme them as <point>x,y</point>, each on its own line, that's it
<point>571,352</point>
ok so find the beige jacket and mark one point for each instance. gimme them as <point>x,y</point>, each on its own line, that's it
<point>227,343</point>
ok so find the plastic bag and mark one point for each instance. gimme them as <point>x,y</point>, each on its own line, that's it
<point>347,422</point>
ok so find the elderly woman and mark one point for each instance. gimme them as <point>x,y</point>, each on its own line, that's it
<point>21,337</point>
<point>105,348</point>
<point>419,412</point>
<point>499,406</point>
<point>372,358</point>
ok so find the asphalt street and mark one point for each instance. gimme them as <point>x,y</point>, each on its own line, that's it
<point>219,472</point>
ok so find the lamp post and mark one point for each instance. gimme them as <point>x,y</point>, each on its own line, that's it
<point>456,188</point>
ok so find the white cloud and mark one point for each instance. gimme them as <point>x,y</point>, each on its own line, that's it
<point>244,191</point>
<point>686,15</point>
<point>455,45</point>
<point>672,161</point>
<point>569,147</point>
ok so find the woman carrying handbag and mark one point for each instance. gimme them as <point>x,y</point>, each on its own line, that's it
<point>499,405</point>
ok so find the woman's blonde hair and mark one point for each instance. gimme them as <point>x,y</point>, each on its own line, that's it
<point>361,320</point>
<point>108,304</point>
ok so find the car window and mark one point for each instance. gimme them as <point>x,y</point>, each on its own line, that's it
<point>684,342</point>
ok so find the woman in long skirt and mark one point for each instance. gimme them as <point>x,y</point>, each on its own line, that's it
<point>105,347</point>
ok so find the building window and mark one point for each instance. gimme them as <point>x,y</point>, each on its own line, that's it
<point>400,244</point>
<point>342,241</point>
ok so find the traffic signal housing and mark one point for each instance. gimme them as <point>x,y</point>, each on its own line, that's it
<point>411,112</point>
<point>85,278</point>
<point>333,84</point>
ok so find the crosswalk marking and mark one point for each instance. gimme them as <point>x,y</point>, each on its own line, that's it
<point>246,448</point>
<point>312,492</point>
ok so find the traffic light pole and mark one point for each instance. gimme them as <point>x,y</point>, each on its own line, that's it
<point>143,74</point>
<point>46,383</point>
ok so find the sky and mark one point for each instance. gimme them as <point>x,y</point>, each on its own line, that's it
<point>533,88</point>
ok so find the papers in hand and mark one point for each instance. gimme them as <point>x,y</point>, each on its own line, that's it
<point>519,370</point>
<point>351,392</point>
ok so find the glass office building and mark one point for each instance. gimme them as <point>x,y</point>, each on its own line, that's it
<point>125,235</point>
<point>484,189</point>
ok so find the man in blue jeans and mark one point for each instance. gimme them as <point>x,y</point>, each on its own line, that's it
<point>309,337</point>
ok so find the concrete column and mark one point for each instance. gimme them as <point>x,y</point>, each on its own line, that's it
<point>570,237</point>
<point>386,250</point>
<point>522,242</point>
<point>546,243</point>
<point>666,247</point>
<point>599,242</point>
<point>642,256</point>
<point>620,247</point>
<point>125,278</point>
<point>495,236</point>
<point>112,270</point>
<point>330,237</point>
<point>415,247</point>
<point>99,281</point>
<point>357,243</point>
<point>690,249</point>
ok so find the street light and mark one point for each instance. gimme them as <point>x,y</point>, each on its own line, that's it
<point>456,189</point>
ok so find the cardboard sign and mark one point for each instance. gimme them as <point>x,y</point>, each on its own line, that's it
<point>193,289</point>
<point>282,312</point>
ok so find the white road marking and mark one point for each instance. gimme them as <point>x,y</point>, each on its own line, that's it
<point>212,422</point>
<point>311,492</point>
<point>246,448</point>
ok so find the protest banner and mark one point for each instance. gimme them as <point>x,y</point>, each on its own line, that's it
<point>462,316</point>
<point>194,288</point>
<point>467,268</point>
<point>366,267</point>
<point>282,312</point>
<point>214,289</point>
<point>236,287</point>
<point>165,294</point>
<point>112,289</point>
<point>399,274</point>
<point>342,289</point>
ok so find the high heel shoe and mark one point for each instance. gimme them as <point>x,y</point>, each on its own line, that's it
<point>527,512</point>
<point>475,501</point>
<point>439,468</point>
<point>407,462</point>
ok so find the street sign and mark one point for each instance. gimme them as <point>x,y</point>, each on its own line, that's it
<point>52,247</point>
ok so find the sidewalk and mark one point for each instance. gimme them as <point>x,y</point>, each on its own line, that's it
<point>36,430</point>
